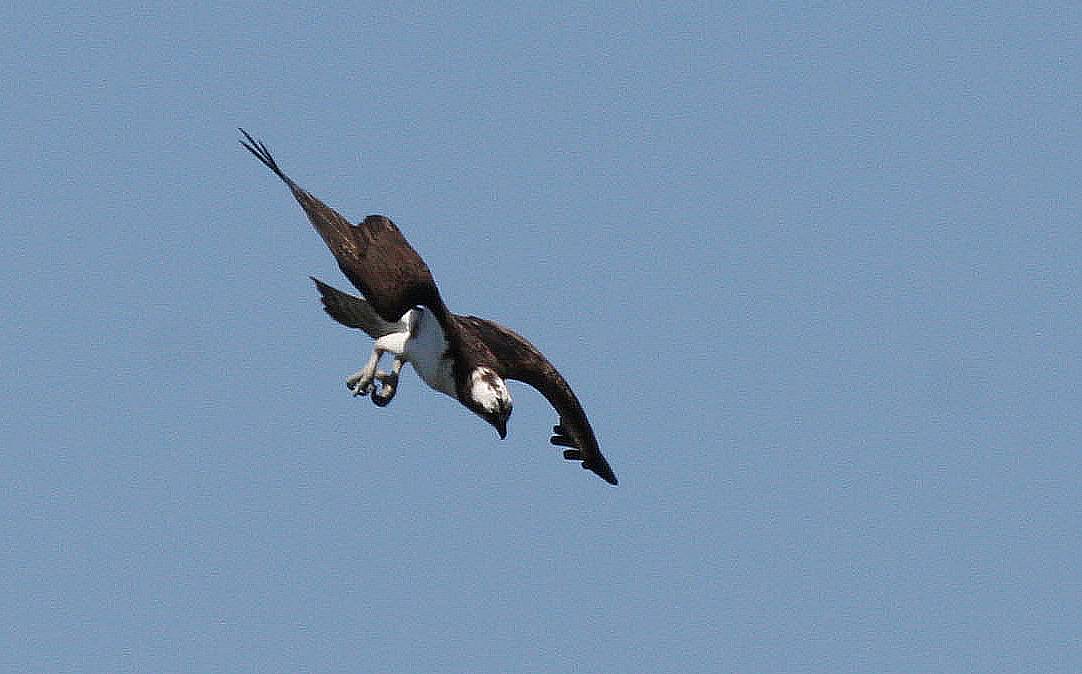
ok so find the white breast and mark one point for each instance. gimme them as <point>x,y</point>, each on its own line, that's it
<point>425,349</point>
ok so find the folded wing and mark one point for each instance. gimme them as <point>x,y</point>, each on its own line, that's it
<point>373,255</point>
<point>354,312</point>
<point>521,361</point>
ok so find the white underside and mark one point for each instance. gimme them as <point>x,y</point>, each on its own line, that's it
<point>423,350</point>
<point>422,343</point>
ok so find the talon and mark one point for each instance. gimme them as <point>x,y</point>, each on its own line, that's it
<point>381,400</point>
<point>360,385</point>
<point>383,396</point>
<point>360,382</point>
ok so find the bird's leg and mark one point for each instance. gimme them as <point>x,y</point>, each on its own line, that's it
<point>388,383</point>
<point>360,382</point>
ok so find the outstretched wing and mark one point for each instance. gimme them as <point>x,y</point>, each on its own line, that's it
<point>354,312</point>
<point>521,361</point>
<point>373,255</point>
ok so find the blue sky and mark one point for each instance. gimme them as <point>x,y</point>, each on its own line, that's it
<point>812,269</point>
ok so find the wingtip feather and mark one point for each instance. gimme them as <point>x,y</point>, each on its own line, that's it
<point>604,472</point>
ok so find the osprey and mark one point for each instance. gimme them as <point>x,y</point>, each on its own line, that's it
<point>465,357</point>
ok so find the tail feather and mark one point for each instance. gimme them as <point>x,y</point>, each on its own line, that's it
<point>354,312</point>
<point>263,154</point>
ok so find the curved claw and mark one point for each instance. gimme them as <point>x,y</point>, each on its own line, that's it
<point>380,400</point>
<point>359,383</point>
<point>389,385</point>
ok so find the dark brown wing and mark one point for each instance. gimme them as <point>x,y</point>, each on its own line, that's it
<point>519,360</point>
<point>373,255</point>
<point>354,312</point>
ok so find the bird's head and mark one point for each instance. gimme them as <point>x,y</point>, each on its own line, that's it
<point>490,399</point>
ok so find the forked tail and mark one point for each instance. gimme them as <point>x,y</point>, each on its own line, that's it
<point>263,154</point>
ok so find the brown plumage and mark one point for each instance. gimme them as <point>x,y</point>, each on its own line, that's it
<point>516,358</point>
<point>377,259</point>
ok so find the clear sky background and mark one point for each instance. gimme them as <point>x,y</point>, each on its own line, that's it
<point>813,271</point>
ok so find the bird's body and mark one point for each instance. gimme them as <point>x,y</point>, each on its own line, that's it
<point>426,351</point>
<point>465,357</point>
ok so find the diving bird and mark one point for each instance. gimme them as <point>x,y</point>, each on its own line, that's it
<point>465,357</point>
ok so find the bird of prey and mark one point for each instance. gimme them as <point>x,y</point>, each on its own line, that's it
<point>465,357</point>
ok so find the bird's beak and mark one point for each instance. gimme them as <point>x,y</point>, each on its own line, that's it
<point>501,427</point>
